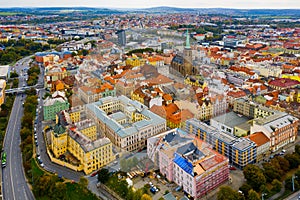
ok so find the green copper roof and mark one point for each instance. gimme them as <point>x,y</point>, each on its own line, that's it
<point>59,129</point>
<point>187,42</point>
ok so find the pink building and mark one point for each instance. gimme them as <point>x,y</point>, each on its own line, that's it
<point>189,162</point>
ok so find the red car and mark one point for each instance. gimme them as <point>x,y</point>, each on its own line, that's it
<point>94,173</point>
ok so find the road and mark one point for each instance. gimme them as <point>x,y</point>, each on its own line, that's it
<point>294,196</point>
<point>14,181</point>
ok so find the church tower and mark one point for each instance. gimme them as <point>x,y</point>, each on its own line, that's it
<point>187,57</point>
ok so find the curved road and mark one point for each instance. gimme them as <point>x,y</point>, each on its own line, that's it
<point>14,185</point>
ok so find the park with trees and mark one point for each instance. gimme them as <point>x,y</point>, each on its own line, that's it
<point>279,174</point>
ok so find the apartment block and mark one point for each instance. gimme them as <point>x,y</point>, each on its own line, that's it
<point>243,152</point>
<point>93,94</point>
<point>125,122</point>
<point>52,105</point>
<point>189,162</point>
<point>281,128</point>
<point>226,144</point>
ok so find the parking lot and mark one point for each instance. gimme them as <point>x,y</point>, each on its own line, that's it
<point>139,182</point>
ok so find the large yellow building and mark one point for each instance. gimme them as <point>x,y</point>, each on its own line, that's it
<point>135,61</point>
<point>80,139</point>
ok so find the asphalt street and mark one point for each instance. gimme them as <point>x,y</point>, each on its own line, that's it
<point>14,181</point>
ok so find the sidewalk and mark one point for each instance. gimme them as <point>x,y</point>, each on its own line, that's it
<point>279,194</point>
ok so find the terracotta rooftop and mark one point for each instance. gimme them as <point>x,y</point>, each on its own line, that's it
<point>284,82</point>
<point>259,138</point>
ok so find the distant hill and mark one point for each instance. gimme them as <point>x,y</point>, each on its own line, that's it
<point>276,12</point>
<point>162,9</point>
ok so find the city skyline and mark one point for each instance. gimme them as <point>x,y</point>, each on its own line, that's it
<point>255,4</point>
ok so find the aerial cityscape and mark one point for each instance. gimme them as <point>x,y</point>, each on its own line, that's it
<point>142,100</point>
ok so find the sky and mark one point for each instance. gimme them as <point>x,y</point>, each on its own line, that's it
<point>276,4</point>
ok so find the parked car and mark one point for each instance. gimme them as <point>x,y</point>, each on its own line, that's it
<point>94,173</point>
<point>153,190</point>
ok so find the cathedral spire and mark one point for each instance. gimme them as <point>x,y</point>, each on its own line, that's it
<point>187,42</point>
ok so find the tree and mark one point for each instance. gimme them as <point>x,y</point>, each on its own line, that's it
<point>271,172</point>
<point>135,161</point>
<point>83,181</point>
<point>59,191</point>
<point>293,159</point>
<point>146,197</point>
<point>283,163</point>
<point>122,188</point>
<point>297,149</point>
<point>14,74</point>
<point>255,177</point>
<point>103,175</point>
<point>289,183</point>
<point>227,193</point>
<point>245,188</point>
<point>124,165</point>
<point>253,195</point>
<point>277,185</point>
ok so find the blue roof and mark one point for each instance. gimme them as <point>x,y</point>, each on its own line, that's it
<point>183,164</point>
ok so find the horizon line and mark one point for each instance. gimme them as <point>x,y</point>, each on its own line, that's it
<point>79,6</point>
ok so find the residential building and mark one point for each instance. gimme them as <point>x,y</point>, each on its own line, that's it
<point>93,94</point>
<point>190,163</point>
<point>219,104</point>
<point>4,71</point>
<point>58,86</point>
<point>125,122</point>
<point>124,88</point>
<point>281,128</point>
<point>203,109</point>
<point>243,152</point>
<point>175,117</point>
<point>2,91</point>
<point>146,94</point>
<point>233,95</point>
<point>57,102</point>
<point>232,147</point>
<point>262,145</point>
<point>161,148</point>
<point>283,83</point>
<point>250,109</point>
<point>135,61</point>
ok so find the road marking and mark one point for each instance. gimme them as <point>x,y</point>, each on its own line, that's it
<point>25,193</point>
<point>10,152</point>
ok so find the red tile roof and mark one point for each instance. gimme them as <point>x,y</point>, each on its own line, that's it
<point>259,138</point>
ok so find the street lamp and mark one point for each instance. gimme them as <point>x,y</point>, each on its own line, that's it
<point>262,196</point>
<point>293,181</point>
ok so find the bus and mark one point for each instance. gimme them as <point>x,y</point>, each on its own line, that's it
<point>3,159</point>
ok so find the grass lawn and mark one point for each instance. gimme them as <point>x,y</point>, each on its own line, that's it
<point>36,171</point>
